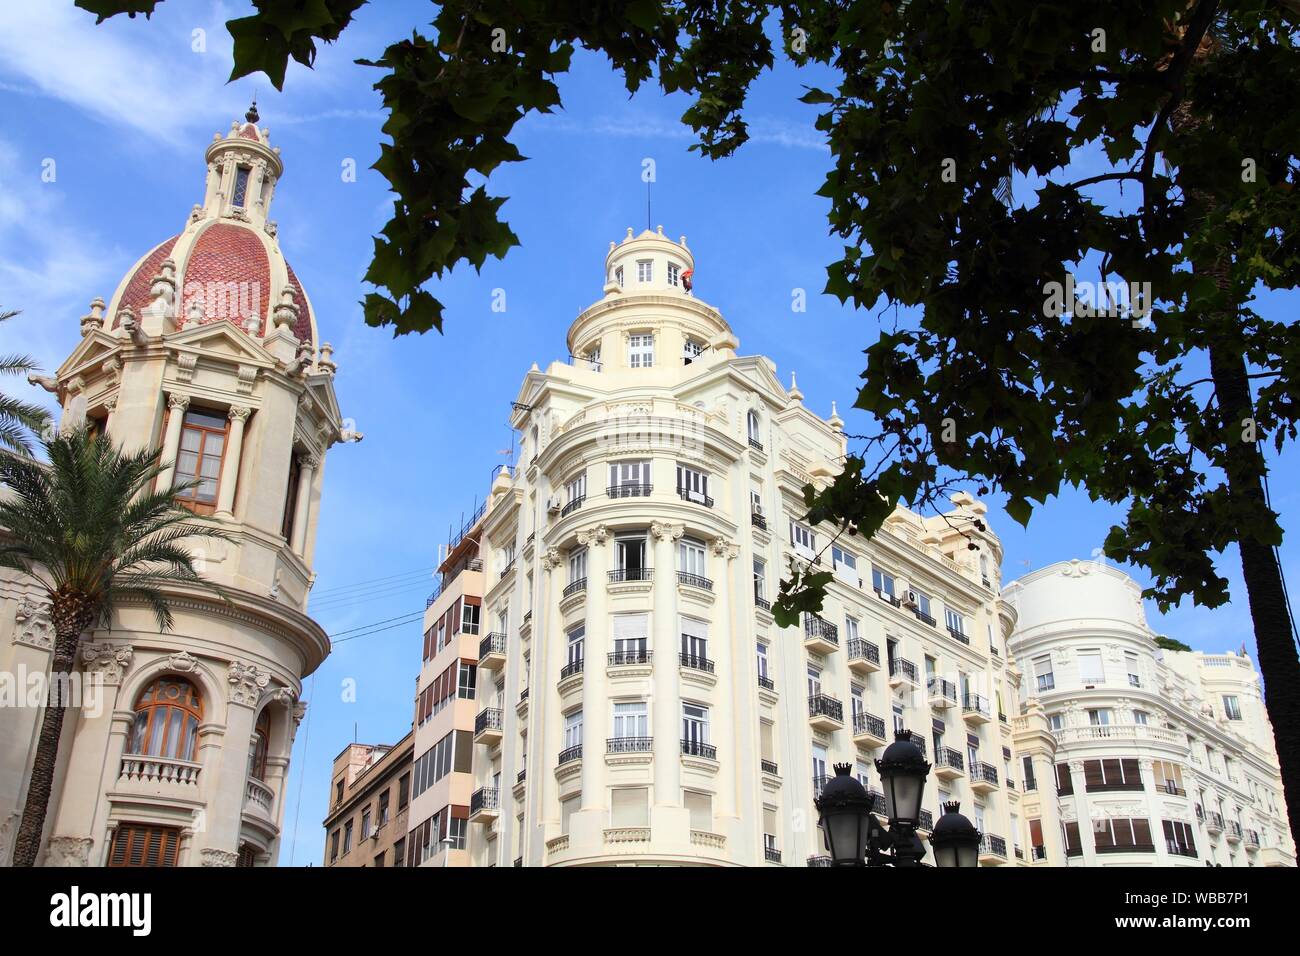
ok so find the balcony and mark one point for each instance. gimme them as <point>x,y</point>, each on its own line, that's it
<point>569,755</point>
<point>1174,848</point>
<point>868,730</point>
<point>572,506</point>
<point>762,603</point>
<point>625,575</point>
<point>766,683</point>
<point>917,739</point>
<point>943,693</point>
<point>570,676</point>
<point>817,860</point>
<point>925,822</point>
<point>695,497</point>
<point>492,651</point>
<point>696,663</point>
<point>887,597</point>
<point>697,748</point>
<point>694,581</point>
<point>484,805</point>
<point>758,521</point>
<point>877,802</point>
<point>638,657</point>
<point>488,726</point>
<point>1234,831</point>
<point>983,777</point>
<point>629,490</point>
<point>138,768</point>
<point>825,713</point>
<point>819,782</point>
<point>923,617</point>
<point>1252,839</point>
<point>771,854</point>
<point>573,587</point>
<point>993,849</point>
<point>975,709</point>
<point>864,657</point>
<point>957,635</point>
<point>768,767</point>
<point>1214,822</point>
<point>901,670</point>
<point>258,796</point>
<point>755,444</point>
<point>948,764</point>
<point>629,745</point>
<point>1171,788</point>
<point>820,636</point>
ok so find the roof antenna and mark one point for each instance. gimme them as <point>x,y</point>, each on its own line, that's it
<point>647,204</point>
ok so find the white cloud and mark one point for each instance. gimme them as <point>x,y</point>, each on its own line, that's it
<point>762,129</point>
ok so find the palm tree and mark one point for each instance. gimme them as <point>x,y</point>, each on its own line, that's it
<point>18,418</point>
<point>91,529</point>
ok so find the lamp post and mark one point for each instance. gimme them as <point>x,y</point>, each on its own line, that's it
<point>855,838</point>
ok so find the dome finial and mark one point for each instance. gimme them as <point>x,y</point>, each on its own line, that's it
<point>251,115</point>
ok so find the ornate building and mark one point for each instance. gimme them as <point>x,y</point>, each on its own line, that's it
<point>208,349</point>
<point>633,700</point>
<point>1163,757</point>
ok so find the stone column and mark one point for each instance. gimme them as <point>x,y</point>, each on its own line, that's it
<point>726,670</point>
<point>176,404</point>
<point>218,844</point>
<point>306,476</point>
<point>544,704</point>
<point>1049,810</point>
<point>596,706</point>
<point>238,415</point>
<point>666,697</point>
<point>1153,813</point>
<point>1082,815</point>
<point>93,750</point>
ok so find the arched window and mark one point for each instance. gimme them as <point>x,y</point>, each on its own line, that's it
<point>167,717</point>
<point>261,743</point>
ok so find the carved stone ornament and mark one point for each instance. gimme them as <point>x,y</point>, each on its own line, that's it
<point>110,661</point>
<point>211,856</point>
<point>723,548</point>
<point>33,625</point>
<point>1076,568</point>
<point>184,662</point>
<point>239,413</point>
<point>667,532</point>
<point>596,535</point>
<point>178,402</point>
<point>299,712</point>
<point>186,362</point>
<point>68,851</point>
<point>552,559</point>
<point>246,683</point>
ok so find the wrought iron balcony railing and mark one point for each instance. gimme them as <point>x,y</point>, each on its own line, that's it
<point>864,723</point>
<point>698,748</point>
<point>814,626</point>
<point>822,705</point>
<point>494,643</point>
<point>485,798</point>
<point>901,667</point>
<point>489,719</point>
<point>575,586</point>
<point>947,757</point>
<point>569,754</point>
<point>629,745</point>
<point>696,662</point>
<point>571,668</point>
<point>635,656</point>
<point>694,580</point>
<point>629,490</point>
<point>631,574</point>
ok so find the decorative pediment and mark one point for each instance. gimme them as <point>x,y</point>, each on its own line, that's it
<point>88,358</point>
<point>220,342</point>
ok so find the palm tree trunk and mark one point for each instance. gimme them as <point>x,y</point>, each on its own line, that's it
<point>27,842</point>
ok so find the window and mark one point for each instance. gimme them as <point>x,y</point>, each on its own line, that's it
<point>1070,838</point>
<point>899,724</point>
<point>630,632</point>
<point>347,838</point>
<point>856,700</point>
<point>814,680</point>
<point>629,807</point>
<point>756,504</point>
<point>644,270</point>
<point>573,729</point>
<point>467,678</point>
<point>921,602</point>
<point>1112,773</point>
<point>575,489</point>
<point>803,540</point>
<point>850,628</point>
<point>700,806</point>
<point>1134,678</point>
<point>1140,717</point>
<point>820,760</point>
<point>139,844</point>
<point>1178,838</point>
<point>379,860</point>
<point>403,791</point>
<point>1231,707</point>
<point>198,460</point>
<point>593,356</point>
<point>1027,771</point>
<point>845,566</point>
<point>691,350</point>
<point>469,618</point>
<point>167,717</point>
<point>1064,782</point>
<point>630,556</point>
<point>956,623</point>
<point>334,845</point>
<point>674,270</point>
<point>629,478</point>
<point>291,497</point>
<point>577,565</point>
<point>365,824</point>
<point>383,808</point>
<point>1100,717</point>
<point>450,754</point>
<point>760,579</point>
<point>693,485</point>
<point>695,724</point>
<point>240,194</point>
<point>631,719</point>
<point>618,276</point>
<point>752,426</point>
<point>690,557</point>
<point>1090,667</point>
<point>261,743</point>
<point>1168,777</point>
<point>576,637</point>
<point>1043,677</point>
<point>1122,834</point>
<point>762,660</point>
<point>882,582</point>
<point>984,569</point>
<point>641,350</point>
<point>567,808</point>
<point>695,642</point>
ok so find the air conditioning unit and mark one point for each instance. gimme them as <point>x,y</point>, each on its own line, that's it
<point>909,599</point>
<point>758,509</point>
<point>553,506</point>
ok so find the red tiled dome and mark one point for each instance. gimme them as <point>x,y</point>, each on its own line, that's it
<point>249,132</point>
<point>229,275</point>
<point>302,330</point>
<point>136,293</point>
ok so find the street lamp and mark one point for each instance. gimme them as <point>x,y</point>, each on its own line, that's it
<point>853,836</point>
<point>954,839</point>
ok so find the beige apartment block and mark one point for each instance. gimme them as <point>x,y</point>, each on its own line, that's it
<point>370,801</point>
<point>1163,758</point>
<point>208,350</point>
<point>643,708</point>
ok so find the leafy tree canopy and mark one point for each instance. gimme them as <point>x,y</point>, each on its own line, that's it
<point>1169,644</point>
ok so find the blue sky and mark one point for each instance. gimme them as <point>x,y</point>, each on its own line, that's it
<point>125,110</point>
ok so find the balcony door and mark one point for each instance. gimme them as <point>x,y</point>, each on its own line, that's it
<point>630,555</point>
<point>695,725</point>
<point>695,641</point>
<point>630,637</point>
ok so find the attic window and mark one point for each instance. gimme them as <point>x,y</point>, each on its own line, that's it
<point>690,350</point>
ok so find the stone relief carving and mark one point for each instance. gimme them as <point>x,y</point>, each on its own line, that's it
<point>723,548</point>
<point>34,627</point>
<point>596,535</point>
<point>246,683</point>
<point>552,559</point>
<point>1076,569</point>
<point>184,662</point>
<point>211,856</point>
<point>667,532</point>
<point>68,851</point>
<point>110,661</point>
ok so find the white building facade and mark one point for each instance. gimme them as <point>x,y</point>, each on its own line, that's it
<point>637,703</point>
<point>208,349</point>
<point>1163,757</point>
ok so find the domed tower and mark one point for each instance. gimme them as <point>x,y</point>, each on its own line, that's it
<point>208,349</point>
